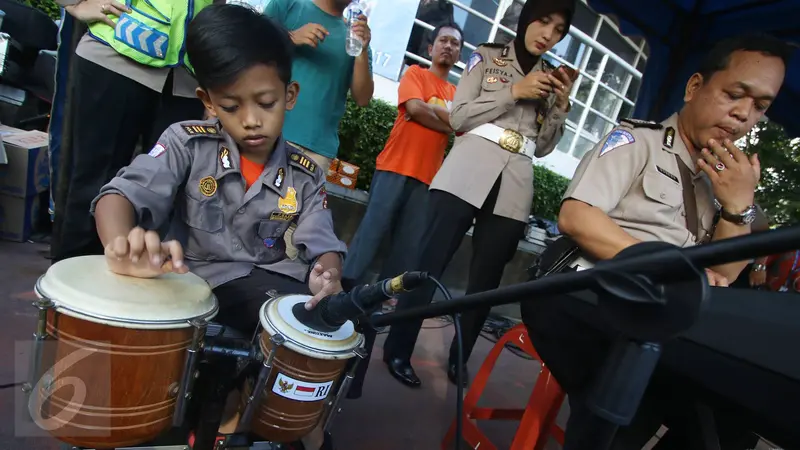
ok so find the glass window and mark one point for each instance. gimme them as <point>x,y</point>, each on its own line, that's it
<point>605,102</point>
<point>575,112</point>
<point>570,49</point>
<point>613,41</point>
<point>597,126</point>
<point>566,140</point>
<point>582,147</point>
<point>585,19</point>
<point>633,89</point>
<point>625,112</point>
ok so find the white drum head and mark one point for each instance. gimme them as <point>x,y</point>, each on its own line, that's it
<point>83,287</point>
<point>277,318</point>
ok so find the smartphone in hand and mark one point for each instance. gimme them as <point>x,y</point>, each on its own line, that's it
<point>567,71</point>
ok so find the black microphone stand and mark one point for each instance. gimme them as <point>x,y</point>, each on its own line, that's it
<point>649,293</point>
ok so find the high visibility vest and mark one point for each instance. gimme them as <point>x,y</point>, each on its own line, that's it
<point>153,33</point>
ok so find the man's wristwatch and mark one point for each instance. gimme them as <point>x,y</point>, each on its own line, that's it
<point>759,268</point>
<point>745,218</point>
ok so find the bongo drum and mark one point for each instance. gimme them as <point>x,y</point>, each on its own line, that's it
<point>300,369</point>
<point>121,363</point>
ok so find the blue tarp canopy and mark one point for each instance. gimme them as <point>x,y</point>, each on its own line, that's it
<point>680,33</point>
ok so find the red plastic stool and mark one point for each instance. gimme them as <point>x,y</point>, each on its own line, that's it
<point>536,421</point>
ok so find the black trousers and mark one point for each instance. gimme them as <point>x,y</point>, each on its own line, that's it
<point>574,343</point>
<point>110,114</point>
<point>494,243</point>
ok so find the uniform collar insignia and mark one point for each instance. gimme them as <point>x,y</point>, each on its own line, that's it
<point>669,137</point>
<point>225,157</point>
<point>279,178</point>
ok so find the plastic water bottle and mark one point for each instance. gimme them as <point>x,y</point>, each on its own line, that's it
<point>352,43</point>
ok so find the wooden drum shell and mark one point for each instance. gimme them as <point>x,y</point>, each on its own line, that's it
<point>132,378</point>
<point>279,419</point>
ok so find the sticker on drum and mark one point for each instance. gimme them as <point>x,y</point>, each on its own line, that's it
<point>301,391</point>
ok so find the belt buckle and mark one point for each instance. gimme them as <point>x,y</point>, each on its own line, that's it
<point>511,141</point>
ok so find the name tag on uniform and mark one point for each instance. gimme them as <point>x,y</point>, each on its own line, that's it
<point>667,174</point>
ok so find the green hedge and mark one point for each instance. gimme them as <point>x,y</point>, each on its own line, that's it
<point>50,7</point>
<point>364,131</point>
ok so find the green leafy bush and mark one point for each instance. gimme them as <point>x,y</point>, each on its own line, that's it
<point>49,7</point>
<point>364,131</point>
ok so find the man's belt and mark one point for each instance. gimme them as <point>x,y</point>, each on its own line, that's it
<point>509,140</point>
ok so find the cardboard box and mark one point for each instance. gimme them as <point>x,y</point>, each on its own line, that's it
<point>27,172</point>
<point>18,216</point>
<point>341,180</point>
<point>348,170</point>
<point>334,167</point>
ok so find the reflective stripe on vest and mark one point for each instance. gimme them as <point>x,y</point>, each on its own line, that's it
<point>153,33</point>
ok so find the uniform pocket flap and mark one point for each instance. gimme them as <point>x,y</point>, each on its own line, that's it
<point>659,188</point>
<point>203,215</point>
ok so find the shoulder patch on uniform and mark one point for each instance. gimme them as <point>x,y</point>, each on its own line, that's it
<point>669,137</point>
<point>616,139</point>
<point>474,60</point>
<point>157,150</point>
<point>636,123</point>
<point>303,162</point>
<point>201,130</point>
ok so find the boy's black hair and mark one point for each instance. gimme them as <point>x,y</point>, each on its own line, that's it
<point>435,33</point>
<point>719,57</point>
<point>224,40</point>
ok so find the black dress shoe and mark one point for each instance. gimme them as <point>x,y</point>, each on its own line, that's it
<point>403,372</point>
<point>451,375</point>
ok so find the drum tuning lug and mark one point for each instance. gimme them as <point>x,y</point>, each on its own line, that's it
<point>272,293</point>
<point>27,388</point>
<point>278,339</point>
<point>173,389</point>
<point>361,352</point>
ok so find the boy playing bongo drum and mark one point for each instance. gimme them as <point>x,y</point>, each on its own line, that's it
<point>229,188</point>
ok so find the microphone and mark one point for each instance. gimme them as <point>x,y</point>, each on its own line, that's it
<point>335,310</point>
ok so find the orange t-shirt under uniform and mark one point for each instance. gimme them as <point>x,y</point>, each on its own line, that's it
<point>250,171</point>
<point>413,150</point>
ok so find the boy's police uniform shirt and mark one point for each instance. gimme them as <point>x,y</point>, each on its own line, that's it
<point>633,176</point>
<point>194,171</point>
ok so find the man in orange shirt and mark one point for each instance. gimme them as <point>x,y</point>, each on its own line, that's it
<point>405,168</point>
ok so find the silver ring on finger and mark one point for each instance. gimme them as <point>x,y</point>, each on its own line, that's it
<point>104,9</point>
<point>719,166</point>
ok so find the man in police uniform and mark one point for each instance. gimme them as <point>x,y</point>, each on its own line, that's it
<point>658,182</point>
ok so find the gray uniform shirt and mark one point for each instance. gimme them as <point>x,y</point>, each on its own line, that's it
<point>474,163</point>
<point>194,171</point>
<point>634,177</point>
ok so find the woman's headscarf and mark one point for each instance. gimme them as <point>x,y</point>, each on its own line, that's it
<point>532,11</point>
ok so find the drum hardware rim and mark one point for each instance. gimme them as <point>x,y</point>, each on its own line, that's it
<point>59,307</point>
<point>308,348</point>
<point>261,383</point>
<point>190,373</point>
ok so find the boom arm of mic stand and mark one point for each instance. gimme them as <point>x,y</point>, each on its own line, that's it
<point>662,266</point>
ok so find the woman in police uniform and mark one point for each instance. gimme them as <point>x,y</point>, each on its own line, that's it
<point>510,107</point>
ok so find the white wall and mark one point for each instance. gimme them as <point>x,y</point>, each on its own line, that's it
<point>558,162</point>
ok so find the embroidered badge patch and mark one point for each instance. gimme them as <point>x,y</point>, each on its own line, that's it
<point>195,130</point>
<point>616,139</point>
<point>667,174</point>
<point>281,216</point>
<point>288,204</point>
<point>208,186</point>
<point>474,60</point>
<point>500,62</point>
<point>303,161</point>
<point>157,150</point>
<point>491,80</point>
<point>279,178</point>
<point>224,157</point>
<point>669,137</point>
<point>269,242</point>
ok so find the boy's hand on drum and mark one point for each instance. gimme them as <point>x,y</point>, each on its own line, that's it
<point>322,283</point>
<point>141,254</point>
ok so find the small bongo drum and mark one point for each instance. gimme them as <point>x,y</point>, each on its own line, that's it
<point>301,367</point>
<point>122,360</point>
